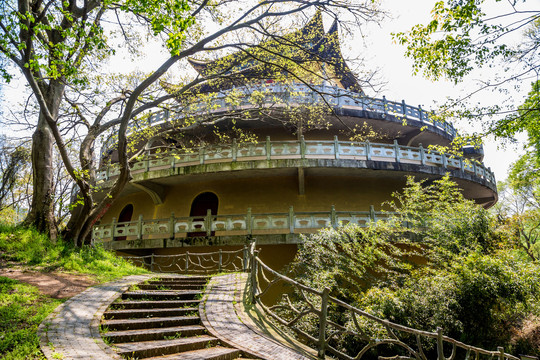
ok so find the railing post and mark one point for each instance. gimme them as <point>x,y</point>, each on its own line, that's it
<point>113,230</point>
<point>333,217</point>
<point>140,228</point>
<point>234,149</point>
<point>368,150</point>
<point>171,226</point>
<point>254,266</point>
<point>322,323</point>
<point>152,263</point>
<point>336,147</point>
<point>187,262</point>
<point>385,104</point>
<point>404,108</point>
<point>500,349</point>
<point>372,215</point>
<point>268,148</point>
<point>245,259</point>
<point>302,147</point>
<point>108,172</point>
<point>422,154</point>
<point>440,352</point>
<point>291,220</point>
<point>208,222</point>
<point>248,221</point>
<point>421,113</point>
<point>220,260</point>
<point>444,161</point>
<point>173,161</point>
<point>396,151</point>
<point>147,162</point>
<point>461,165</point>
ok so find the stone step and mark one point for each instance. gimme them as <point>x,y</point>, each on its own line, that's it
<point>199,279</point>
<point>213,353</point>
<point>151,323</point>
<point>148,313</point>
<point>153,304</point>
<point>171,286</point>
<point>160,295</point>
<point>154,334</point>
<point>187,279</point>
<point>148,349</point>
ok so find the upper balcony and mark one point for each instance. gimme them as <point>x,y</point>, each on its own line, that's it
<point>407,124</point>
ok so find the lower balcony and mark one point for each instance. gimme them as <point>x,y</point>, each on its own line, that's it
<point>270,228</point>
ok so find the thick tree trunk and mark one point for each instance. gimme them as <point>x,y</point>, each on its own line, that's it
<point>41,213</point>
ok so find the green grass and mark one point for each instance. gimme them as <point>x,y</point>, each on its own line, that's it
<point>22,309</point>
<point>33,249</point>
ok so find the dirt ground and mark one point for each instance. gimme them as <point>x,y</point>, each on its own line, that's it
<point>54,284</point>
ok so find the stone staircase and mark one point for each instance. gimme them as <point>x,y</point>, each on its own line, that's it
<point>159,319</point>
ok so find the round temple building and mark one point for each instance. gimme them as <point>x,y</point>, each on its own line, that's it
<point>263,156</point>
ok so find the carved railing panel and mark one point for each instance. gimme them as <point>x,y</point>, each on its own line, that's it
<point>240,224</point>
<point>274,150</point>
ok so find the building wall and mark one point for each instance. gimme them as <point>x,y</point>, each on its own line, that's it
<point>269,194</point>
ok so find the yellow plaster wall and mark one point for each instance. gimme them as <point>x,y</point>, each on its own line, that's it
<point>265,195</point>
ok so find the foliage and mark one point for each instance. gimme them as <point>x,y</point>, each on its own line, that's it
<point>465,35</point>
<point>35,249</point>
<point>438,261</point>
<point>22,309</point>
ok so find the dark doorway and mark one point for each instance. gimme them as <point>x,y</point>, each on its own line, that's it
<point>125,215</point>
<point>200,206</point>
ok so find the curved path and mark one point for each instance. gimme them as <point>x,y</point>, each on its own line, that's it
<point>72,330</point>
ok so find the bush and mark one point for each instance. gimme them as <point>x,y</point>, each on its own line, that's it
<point>437,262</point>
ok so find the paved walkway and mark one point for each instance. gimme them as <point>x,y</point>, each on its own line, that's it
<point>225,317</point>
<point>71,332</point>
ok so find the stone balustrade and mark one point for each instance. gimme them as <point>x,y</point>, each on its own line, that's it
<point>296,94</point>
<point>223,225</point>
<point>305,149</point>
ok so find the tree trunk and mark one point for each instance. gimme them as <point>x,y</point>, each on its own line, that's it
<point>41,213</point>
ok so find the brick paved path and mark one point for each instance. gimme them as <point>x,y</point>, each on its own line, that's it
<point>228,322</point>
<point>72,330</point>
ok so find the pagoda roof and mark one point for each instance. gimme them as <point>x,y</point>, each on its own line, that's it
<point>310,44</point>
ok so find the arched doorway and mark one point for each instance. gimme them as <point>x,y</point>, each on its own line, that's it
<point>200,206</point>
<point>125,216</point>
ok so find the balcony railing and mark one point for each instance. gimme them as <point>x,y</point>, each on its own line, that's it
<point>227,225</point>
<point>304,149</point>
<point>292,94</point>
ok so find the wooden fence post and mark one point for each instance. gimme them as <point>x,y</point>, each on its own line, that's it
<point>220,260</point>
<point>322,323</point>
<point>187,262</point>
<point>440,350</point>
<point>245,259</point>
<point>254,266</point>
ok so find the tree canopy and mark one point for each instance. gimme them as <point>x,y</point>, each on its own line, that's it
<point>61,48</point>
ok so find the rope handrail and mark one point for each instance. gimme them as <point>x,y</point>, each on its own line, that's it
<point>195,262</point>
<point>315,304</point>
